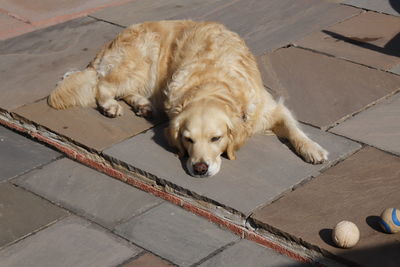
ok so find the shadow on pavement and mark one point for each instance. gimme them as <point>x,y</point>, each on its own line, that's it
<point>387,255</point>
<point>383,256</point>
<point>160,139</point>
<point>391,48</point>
<point>395,5</point>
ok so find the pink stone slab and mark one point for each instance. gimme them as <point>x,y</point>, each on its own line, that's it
<point>371,38</point>
<point>10,26</point>
<point>148,260</point>
<point>323,90</point>
<point>357,190</point>
<point>38,11</point>
<point>86,125</point>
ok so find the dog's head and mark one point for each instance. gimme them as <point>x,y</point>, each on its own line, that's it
<point>204,130</point>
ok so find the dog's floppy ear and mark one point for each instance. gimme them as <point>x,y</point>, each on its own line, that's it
<point>238,135</point>
<point>173,134</point>
<point>230,150</point>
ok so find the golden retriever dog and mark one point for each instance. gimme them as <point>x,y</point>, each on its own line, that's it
<point>201,75</point>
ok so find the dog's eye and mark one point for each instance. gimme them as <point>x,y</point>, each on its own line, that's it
<point>215,139</point>
<point>188,139</point>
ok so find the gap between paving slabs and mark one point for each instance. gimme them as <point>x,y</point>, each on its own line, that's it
<point>215,213</point>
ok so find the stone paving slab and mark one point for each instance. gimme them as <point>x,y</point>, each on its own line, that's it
<point>247,253</point>
<point>264,169</point>
<point>378,126</point>
<point>86,126</point>
<point>149,10</point>
<point>148,260</point>
<point>357,189</point>
<point>22,213</point>
<point>70,242</point>
<point>34,12</point>
<point>19,154</point>
<point>370,38</point>
<point>323,90</point>
<point>87,192</point>
<point>385,6</point>
<point>175,234</point>
<point>31,64</point>
<point>267,25</point>
<point>264,25</point>
<point>396,69</point>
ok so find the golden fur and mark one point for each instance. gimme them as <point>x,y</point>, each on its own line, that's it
<point>201,75</point>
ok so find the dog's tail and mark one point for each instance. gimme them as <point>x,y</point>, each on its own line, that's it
<point>77,88</point>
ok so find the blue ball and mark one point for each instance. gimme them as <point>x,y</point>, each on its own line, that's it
<point>390,220</point>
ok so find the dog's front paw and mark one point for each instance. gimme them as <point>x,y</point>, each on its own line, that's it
<point>313,152</point>
<point>145,111</point>
<point>112,110</point>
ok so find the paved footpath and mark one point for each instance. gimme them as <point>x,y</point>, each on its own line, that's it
<point>80,189</point>
<point>57,212</point>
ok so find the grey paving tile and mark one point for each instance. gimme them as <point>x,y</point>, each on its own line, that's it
<point>175,234</point>
<point>395,69</point>
<point>379,126</point>
<point>358,189</point>
<point>370,38</point>
<point>141,11</point>
<point>264,169</point>
<point>70,242</point>
<point>18,154</point>
<point>87,192</point>
<point>247,253</point>
<point>22,213</point>
<point>385,6</point>
<point>31,64</point>
<point>323,90</point>
<point>267,25</point>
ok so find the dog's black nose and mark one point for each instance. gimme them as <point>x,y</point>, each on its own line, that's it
<point>200,168</point>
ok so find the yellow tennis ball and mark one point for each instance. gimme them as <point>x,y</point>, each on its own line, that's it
<point>346,234</point>
<point>390,220</point>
